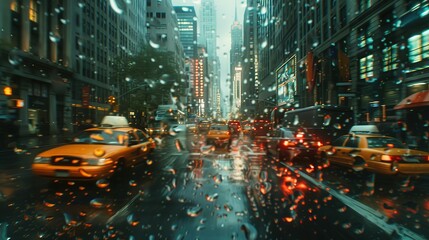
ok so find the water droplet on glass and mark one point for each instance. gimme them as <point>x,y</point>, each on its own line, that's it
<point>170,170</point>
<point>154,45</point>
<point>55,38</point>
<point>179,145</point>
<point>265,187</point>
<point>98,203</point>
<point>132,220</point>
<point>132,183</point>
<point>249,231</point>
<point>217,179</point>
<point>194,211</point>
<point>227,207</point>
<point>69,220</point>
<point>117,8</point>
<point>212,197</point>
<point>14,57</point>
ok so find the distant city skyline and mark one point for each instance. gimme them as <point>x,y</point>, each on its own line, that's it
<point>225,19</point>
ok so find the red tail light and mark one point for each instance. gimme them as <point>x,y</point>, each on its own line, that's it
<point>288,144</point>
<point>319,144</point>
<point>300,135</point>
<point>390,158</point>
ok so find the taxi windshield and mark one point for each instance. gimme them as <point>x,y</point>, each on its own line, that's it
<point>107,136</point>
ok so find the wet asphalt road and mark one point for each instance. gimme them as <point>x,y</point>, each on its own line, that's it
<point>192,191</point>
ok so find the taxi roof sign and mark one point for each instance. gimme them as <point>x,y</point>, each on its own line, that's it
<point>114,121</point>
<point>364,129</point>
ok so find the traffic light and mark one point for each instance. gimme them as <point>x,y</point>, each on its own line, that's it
<point>111,100</point>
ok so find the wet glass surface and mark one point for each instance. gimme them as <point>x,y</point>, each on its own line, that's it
<point>66,64</point>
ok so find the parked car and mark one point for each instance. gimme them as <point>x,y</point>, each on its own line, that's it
<point>292,144</point>
<point>219,135</point>
<point>369,150</point>
<point>96,153</point>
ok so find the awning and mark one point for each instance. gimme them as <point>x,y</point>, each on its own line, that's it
<point>419,99</point>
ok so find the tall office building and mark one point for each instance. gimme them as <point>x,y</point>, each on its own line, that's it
<point>163,34</point>
<point>208,38</point>
<point>236,55</point>
<point>250,101</point>
<point>187,23</point>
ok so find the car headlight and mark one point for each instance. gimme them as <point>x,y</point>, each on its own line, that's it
<point>42,160</point>
<point>98,161</point>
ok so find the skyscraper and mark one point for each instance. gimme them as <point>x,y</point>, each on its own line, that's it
<point>208,38</point>
<point>235,63</point>
<point>187,23</point>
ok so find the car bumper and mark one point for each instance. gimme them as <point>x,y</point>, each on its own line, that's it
<point>73,173</point>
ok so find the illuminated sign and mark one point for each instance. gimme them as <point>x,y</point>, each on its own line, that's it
<point>286,82</point>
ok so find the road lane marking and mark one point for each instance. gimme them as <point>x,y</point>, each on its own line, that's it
<point>365,211</point>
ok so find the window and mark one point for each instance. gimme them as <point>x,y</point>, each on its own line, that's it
<point>425,44</point>
<point>364,39</point>
<point>415,48</point>
<point>390,58</point>
<point>339,141</point>
<point>14,6</point>
<point>352,142</point>
<point>366,66</point>
<point>32,12</point>
<point>364,5</point>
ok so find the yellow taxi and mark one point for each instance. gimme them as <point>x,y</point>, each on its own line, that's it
<point>376,153</point>
<point>96,153</point>
<point>219,135</point>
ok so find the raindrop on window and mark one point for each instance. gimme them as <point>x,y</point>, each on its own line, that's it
<point>115,6</point>
<point>55,38</point>
<point>154,45</point>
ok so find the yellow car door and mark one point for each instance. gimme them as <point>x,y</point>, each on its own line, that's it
<point>346,154</point>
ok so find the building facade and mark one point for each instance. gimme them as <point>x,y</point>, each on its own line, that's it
<point>236,56</point>
<point>60,56</point>
<point>208,38</point>
<point>188,30</point>
<point>367,55</point>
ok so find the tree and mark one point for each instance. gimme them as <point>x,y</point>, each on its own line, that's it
<point>156,76</point>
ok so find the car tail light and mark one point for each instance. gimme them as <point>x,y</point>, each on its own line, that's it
<point>390,158</point>
<point>319,144</point>
<point>288,144</point>
<point>300,135</point>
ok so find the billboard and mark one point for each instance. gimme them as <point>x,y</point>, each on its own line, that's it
<point>286,82</point>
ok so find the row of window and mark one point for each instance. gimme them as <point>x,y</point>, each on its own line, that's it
<point>418,50</point>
